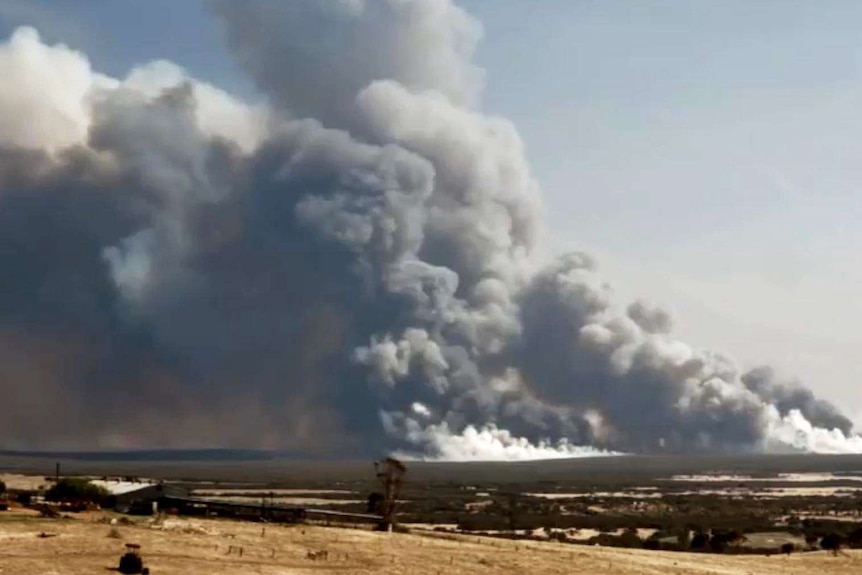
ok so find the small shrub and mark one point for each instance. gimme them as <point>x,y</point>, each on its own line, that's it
<point>832,542</point>
<point>558,536</point>
<point>717,544</point>
<point>699,541</point>
<point>77,490</point>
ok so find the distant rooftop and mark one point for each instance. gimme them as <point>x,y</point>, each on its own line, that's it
<point>121,487</point>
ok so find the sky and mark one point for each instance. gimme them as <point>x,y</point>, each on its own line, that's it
<point>705,152</point>
<point>712,153</point>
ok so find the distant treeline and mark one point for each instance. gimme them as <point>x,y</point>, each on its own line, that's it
<point>152,455</point>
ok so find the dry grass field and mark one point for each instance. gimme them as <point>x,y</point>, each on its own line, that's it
<point>190,547</point>
<point>22,482</point>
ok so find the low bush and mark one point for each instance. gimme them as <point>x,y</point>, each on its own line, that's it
<point>75,489</point>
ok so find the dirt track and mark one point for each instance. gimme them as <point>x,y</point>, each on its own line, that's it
<point>183,547</point>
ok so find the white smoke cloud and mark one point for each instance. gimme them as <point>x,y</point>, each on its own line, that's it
<point>391,361</point>
<point>218,113</point>
<point>53,90</point>
<point>488,443</point>
<point>131,264</point>
<point>794,432</point>
<point>45,93</point>
<point>420,410</point>
<point>379,262</point>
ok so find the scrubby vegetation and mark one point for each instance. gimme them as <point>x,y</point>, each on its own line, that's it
<point>74,489</point>
<point>665,519</point>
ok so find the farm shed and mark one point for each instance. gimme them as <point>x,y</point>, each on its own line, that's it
<point>138,497</point>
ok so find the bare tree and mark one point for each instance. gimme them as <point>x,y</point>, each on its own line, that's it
<point>390,472</point>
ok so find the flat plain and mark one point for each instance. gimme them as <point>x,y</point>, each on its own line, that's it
<point>464,518</point>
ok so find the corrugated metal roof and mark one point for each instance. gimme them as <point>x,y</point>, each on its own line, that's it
<point>121,487</point>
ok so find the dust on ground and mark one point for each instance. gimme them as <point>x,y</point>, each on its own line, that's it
<point>31,546</point>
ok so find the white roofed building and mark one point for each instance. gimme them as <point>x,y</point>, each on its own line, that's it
<point>137,496</point>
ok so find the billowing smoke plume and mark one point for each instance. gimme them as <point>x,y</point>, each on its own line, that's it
<point>354,266</point>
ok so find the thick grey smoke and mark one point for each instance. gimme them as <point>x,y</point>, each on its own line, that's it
<point>787,396</point>
<point>355,267</point>
<point>313,57</point>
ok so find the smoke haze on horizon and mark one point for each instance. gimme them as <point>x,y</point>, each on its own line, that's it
<point>358,264</point>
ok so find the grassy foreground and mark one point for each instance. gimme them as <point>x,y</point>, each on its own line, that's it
<point>85,545</point>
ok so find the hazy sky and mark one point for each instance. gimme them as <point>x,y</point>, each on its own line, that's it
<point>706,152</point>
